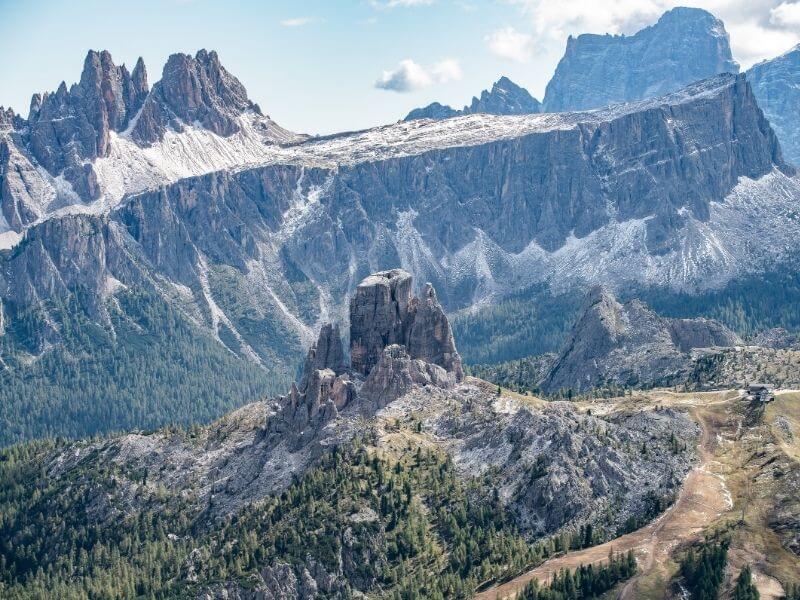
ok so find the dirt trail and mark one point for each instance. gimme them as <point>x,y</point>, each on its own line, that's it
<point>702,499</point>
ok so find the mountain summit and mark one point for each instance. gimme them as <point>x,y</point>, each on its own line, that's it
<point>505,98</point>
<point>685,45</point>
<point>193,90</point>
<point>776,85</point>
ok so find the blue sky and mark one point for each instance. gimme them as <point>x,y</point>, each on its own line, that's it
<point>313,65</point>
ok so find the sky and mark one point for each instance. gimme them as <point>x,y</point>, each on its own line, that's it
<point>322,66</point>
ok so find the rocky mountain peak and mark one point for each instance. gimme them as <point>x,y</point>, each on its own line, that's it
<point>72,126</point>
<point>8,118</point>
<point>776,85</point>
<point>397,341</point>
<point>505,98</point>
<point>629,344</point>
<point>383,312</point>
<point>193,89</point>
<point>685,45</point>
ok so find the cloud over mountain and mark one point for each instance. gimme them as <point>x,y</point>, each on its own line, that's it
<point>409,76</point>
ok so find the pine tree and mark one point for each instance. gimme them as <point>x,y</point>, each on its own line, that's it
<point>745,588</point>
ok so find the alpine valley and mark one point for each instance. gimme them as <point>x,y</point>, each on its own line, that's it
<point>501,351</point>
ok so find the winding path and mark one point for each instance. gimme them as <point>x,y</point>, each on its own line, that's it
<point>703,497</point>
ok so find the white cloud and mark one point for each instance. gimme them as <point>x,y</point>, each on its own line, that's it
<point>446,70</point>
<point>399,3</point>
<point>510,44</point>
<point>752,43</point>
<point>786,14</point>
<point>410,76</point>
<point>297,22</point>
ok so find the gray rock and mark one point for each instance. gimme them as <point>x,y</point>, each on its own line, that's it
<point>429,336</point>
<point>776,85</point>
<point>505,98</point>
<point>378,317</point>
<point>193,89</point>
<point>616,344</point>
<point>326,353</point>
<point>685,45</point>
<point>434,110</point>
<point>383,312</point>
<point>777,337</point>
<point>396,374</point>
<point>66,128</point>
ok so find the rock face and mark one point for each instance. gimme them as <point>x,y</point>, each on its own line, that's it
<point>378,317</point>
<point>56,156</point>
<point>396,341</point>
<point>193,89</point>
<point>685,45</point>
<point>505,98</point>
<point>383,312</point>
<point>68,127</point>
<point>434,110</point>
<point>616,344</point>
<point>776,85</point>
<point>396,374</point>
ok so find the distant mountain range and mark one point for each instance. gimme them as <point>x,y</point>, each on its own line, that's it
<point>178,232</point>
<point>684,46</point>
<point>505,98</point>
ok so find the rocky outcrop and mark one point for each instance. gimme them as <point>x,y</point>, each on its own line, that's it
<point>71,126</point>
<point>327,353</point>
<point>306,581</point>
<point>684,46</point>
<point>505,98</point>
<point>193,89</point>
<point>612,344</point>
<point>396,341</point>
<point>776,85</point>
<point>434,110</point>
<point>778,338</point>
<point>396,374</point>
<point>378,317</point>
<point>324,389</point>
<point>429,336</point>
<point>383,312</point>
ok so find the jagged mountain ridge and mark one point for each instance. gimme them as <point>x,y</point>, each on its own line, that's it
<point>505,98</point>
<point>53,159</point>
<point>685,45</point>
<point>480,205</point>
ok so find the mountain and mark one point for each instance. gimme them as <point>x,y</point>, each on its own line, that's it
<point>389,473</point>
<point>684,46</point>
<point>629,345</point>
<point>776,85</point>
<point>242,242</point>
<point>58,156</point>
<point>505,98</point>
